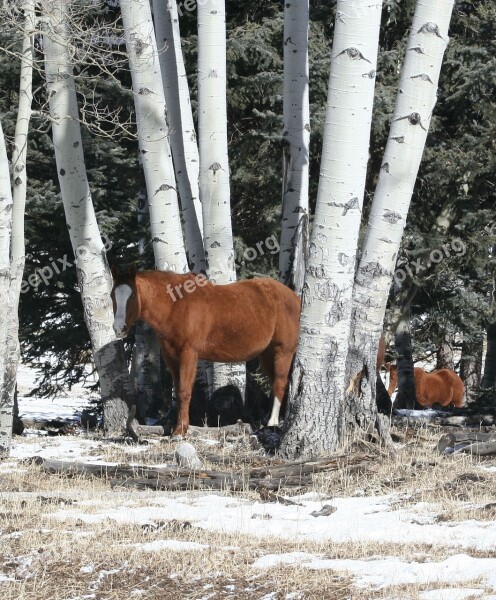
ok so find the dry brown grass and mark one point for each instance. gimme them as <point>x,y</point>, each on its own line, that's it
<point>62,560</point>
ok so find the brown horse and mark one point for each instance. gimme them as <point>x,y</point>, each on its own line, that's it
<point>442,387</point>
<point>193,318</point>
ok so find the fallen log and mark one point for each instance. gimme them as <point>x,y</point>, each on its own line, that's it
<point>178,484</point>
<point>455,441</point>
<point>268,477</point>
<point>443,421</point>
<point>238,428</point>
<point>479,449</point>
<point>311,466</point>
<point>141,430</point>
<point>129,471</point>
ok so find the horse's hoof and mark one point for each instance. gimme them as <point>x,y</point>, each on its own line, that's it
<point>177,437</point>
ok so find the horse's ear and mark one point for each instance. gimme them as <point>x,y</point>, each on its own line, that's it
<point>132,271</point>
<point>115,272</point>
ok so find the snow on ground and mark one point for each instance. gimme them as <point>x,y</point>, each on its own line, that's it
<point>65,407</point>
<point>379,519</point>
<point>378,573</point>
<point>368,519</point>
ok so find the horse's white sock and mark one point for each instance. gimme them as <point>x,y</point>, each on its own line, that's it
<point>274,416</point>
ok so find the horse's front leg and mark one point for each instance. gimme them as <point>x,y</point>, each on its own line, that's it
<point>187,373</point>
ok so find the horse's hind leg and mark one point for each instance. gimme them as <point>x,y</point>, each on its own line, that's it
<point>281,367</point>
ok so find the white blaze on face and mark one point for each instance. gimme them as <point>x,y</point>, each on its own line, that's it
<point>122,293</point>
<point>274,417</point>
<point>387,380</point>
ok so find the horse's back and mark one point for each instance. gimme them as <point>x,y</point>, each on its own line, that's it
<point>244,318</point>
<point>454,384</point>
<point>443,387</point>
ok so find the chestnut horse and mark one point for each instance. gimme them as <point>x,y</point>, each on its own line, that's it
<point>193,318</point>
<point>442,387</point>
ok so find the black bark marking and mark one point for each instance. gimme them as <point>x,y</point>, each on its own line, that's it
<point>157,240</point>
<point>165,187</point>
<point>414,119</point>
<point>213,74</point>
<point>391,217</point>
<point>422,76</point>
<point>215,245</point>
<point>215,167</point>
<point>374,269</point>
<point>144,92</point>
<point>139,46</point>
<point>62,172</point>
<point>354,54</point>
<point>417,49</point>
<point>385,167</point>
<point>400,139</point>
<point>429,28</point>
<point>370,74</point>
<point>351,204</point>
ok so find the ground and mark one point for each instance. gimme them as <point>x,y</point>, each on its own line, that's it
<point>416,525</point>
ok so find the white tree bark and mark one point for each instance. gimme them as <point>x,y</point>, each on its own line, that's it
<point>214,162</point>
<point>315,419</point>
<point>410,124</point>
<point>5,296</point>
<point>296,140</point>
<point>153,136</point>
<point>94,275</point>
<point>212,134</point>
<point>181,127</point>
<point>17,258</point>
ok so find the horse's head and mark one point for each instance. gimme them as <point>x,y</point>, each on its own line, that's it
<point>125,300</point>
<point>392,377</point>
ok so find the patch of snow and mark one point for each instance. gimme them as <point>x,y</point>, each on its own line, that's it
<point>451,594</point>
<point>491,469</point>
<point>426,414</point>
<point>87,569</point>
<point>56,447</point>
<point>176,545</point>
<point>367,519</point>
<point>289,558</point>
<point>380,573</point>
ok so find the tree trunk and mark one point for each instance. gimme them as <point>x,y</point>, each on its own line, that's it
<point>314,422</point>
<point>404,361</point>
<point>471,367</point>
<point>414,104</point>
<point>489,379</point>
<point>296,142</point>
<point>182,129</point>
<point>94,277</point>
<point>17,253</point>
<point>153,136</point>
<point>214,165</point>
<point>10,344</point>
<point>145,363</point>
<point>444,355</point>
<point>146,366</point>
<point>6,401</point>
